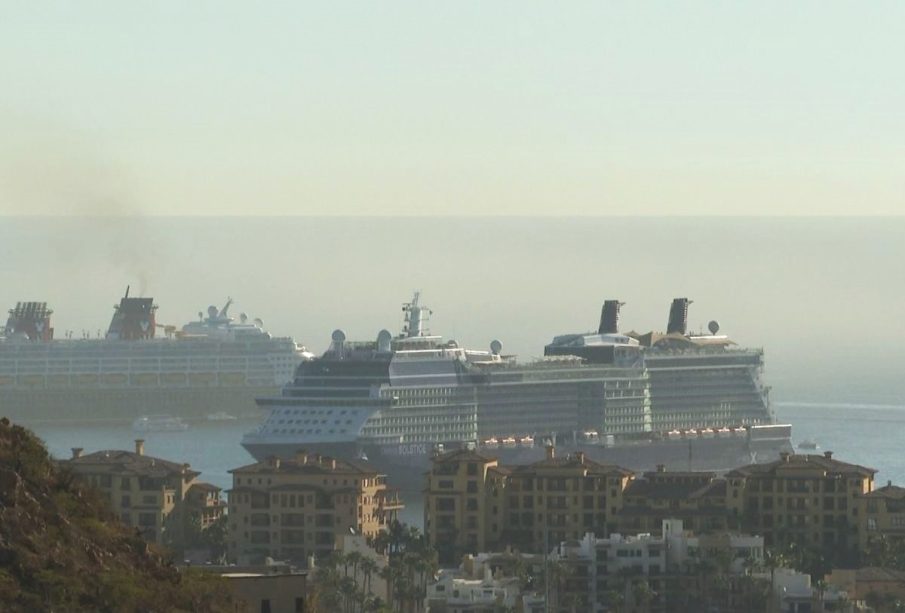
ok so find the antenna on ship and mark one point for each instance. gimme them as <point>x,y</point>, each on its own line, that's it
<point>416,317</point>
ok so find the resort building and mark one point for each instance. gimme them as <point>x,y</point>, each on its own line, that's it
<point>292,509</point>
<point>882,513</point>
<point>812,500</point>
<point>472,504</point>
<point>159,497</point>
<point>697,498</point>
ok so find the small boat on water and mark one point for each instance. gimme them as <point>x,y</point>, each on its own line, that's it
<point>159,423</point>
<point>808,444</point>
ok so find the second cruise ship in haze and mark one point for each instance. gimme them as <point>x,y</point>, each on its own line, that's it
<point>214,366</point>
<point>638,400</point>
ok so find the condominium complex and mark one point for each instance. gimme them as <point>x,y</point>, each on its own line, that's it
<point>882,512</point>
<point>697,498</point>
<point>159,497</point>
<point>811,500</point>
<point>295,508</point>
<point>474,504</point>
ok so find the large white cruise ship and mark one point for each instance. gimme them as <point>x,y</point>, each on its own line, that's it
<point>215,365</point>
<point>690,402</point>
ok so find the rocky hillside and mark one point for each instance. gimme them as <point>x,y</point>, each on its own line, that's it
<point>61,548</point>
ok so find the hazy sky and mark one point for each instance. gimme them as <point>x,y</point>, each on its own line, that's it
<point>452,107</point>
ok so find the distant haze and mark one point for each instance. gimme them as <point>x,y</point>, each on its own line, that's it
<point>452,108</point>
<point>824,297</point>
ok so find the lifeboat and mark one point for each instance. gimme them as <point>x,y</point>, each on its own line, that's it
<point>740,431</point>
<point>492,443</point>
<point>691,434</point>
<point>674,434</point>
<point>724,432</point>
<point>707,433</point>
<point>590,435</point>
<point>509,441</point>
<point>526,441</point>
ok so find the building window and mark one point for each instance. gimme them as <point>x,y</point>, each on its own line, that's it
<point>446,504</point>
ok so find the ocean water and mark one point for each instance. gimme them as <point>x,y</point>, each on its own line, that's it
<point>866,434</point>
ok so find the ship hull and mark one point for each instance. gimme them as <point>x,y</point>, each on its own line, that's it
<point>123,405</point>
<point>405,464</point>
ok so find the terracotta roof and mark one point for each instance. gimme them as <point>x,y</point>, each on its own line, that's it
<point>674,491</point>
<point>208,487</point>
<point>893,492</point>
<point>312,466</point>
<point>575,460</point>
<point>460,455</point>
<point>702,474</point>
<point>115,462</point>
<point>799,461</point>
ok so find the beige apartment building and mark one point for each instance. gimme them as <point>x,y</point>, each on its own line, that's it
<point>289,509</point>
<point>696,498</point>
<point>882,514</point>
<point>156,496</point>
<point>811,500</point>
<point>474,504</point>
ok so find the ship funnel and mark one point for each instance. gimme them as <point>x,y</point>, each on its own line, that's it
<point>678,316</point>
<point>609,317</point>
<point>133,319</point>
<point>30,321</point>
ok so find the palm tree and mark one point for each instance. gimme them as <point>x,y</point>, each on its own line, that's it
<point>520,570</point>
<point>774,559</point>
<point>553,578</point>
<point>615,600</point>
<point>642,594</point>
<point>368,568</point>
<point>354,558</point>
